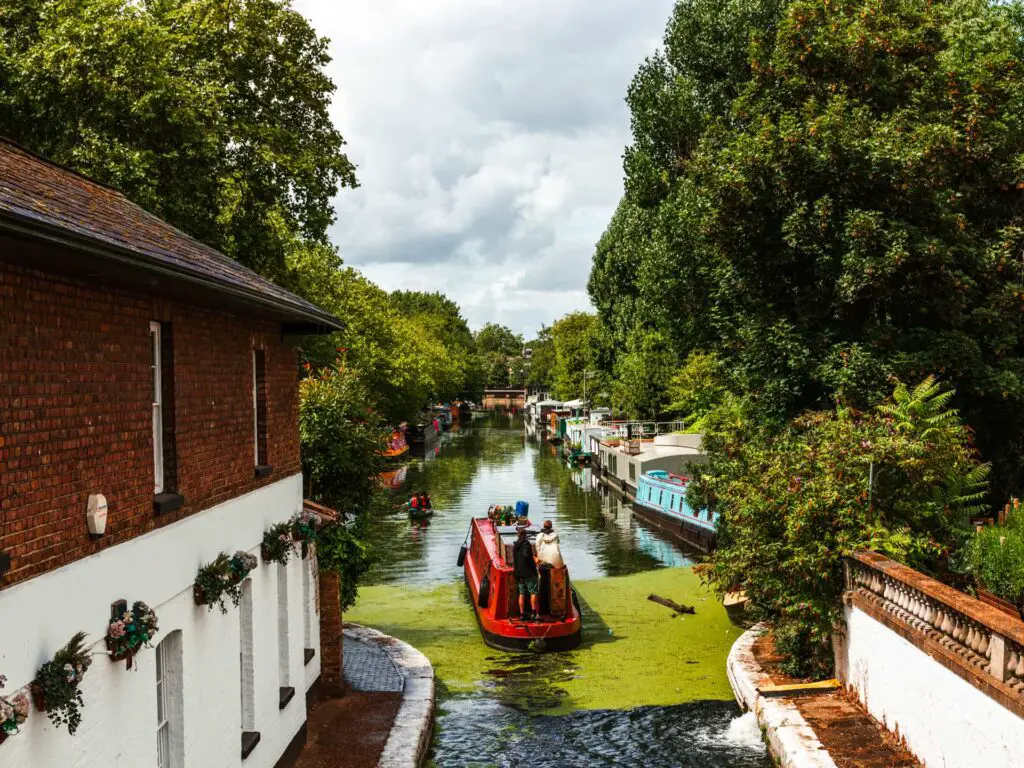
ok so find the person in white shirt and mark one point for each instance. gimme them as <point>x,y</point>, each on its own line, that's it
<point>548,549</point>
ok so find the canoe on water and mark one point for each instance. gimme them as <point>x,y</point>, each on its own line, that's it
<point>486,559</point>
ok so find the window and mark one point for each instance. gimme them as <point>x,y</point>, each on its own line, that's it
<point>632,471</point>
<point>169,720</point>
<point>661,495</point>
<point>158,428</point>
<point>307,606</point>
<point>165,465</point>
<point>282,624</point>
<point>259,411</point>
<point>245,663</point>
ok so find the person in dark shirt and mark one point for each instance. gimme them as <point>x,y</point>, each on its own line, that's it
<point>525,570</point>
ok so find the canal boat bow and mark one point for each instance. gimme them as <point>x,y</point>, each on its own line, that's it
<point>486,559</point>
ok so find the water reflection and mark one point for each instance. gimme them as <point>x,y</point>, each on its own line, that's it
<point>490,720</point>
<point>492,463</point>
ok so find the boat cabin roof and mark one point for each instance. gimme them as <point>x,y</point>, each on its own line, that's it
<point>667,477</point>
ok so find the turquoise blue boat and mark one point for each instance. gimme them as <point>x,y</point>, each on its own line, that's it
<point>661,500</point>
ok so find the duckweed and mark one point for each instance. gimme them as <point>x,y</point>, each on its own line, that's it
<point>633,654</point>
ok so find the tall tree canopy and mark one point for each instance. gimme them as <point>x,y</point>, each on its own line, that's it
<point>827,195</point>
<point>574,338</point>
<point>499,339</point>
<point>212,114</point>
<point>540,371</point>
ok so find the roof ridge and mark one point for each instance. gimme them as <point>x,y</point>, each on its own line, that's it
<point>43,158</point>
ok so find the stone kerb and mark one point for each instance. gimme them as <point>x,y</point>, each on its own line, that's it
<point>410,735</point>
<point>791,741</point>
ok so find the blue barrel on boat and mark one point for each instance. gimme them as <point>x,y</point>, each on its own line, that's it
<point>522,509</point>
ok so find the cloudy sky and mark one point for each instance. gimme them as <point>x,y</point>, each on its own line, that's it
<point>488,136</point>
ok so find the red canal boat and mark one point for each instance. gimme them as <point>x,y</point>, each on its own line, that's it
<point>486,559</point>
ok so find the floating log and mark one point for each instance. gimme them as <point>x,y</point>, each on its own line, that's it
<point>669,604</point>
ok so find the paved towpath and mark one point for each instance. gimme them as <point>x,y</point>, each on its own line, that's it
<point>385,719</point>
<point>369,668</point>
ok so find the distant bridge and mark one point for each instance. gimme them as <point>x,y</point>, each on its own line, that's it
<point>506,399</point>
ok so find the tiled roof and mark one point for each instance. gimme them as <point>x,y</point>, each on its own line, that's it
<point>36,193</point>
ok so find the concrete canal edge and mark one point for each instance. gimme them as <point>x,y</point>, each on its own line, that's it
<point>791,741</point>
<point>411,732</point>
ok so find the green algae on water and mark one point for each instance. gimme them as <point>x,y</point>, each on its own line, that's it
<point>633,654</point>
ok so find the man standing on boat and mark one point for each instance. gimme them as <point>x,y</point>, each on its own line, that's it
<point>525,569</point>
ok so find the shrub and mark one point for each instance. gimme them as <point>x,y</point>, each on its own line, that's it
<point>902,479</point>
<point>995,557</point>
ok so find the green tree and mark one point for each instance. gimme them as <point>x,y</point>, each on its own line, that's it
<point>209,113</point>
<point>574,337</point>
<point>498,339</point>
<point>500,356</point>
<point>825,195</point>
<point>342,439</point>
<point>643,374</point>
<point>540,372</point>
<point>438,314</point>
<point>798,501</point>
<point>697,390</point>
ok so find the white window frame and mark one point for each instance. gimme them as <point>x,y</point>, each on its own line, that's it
<point>283,644</point>
<point>247,672</point>
<point>170,730</point>
<point>255,416</point>
<point>307,604</point>
<point>156,366</point>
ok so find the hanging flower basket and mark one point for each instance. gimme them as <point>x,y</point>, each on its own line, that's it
<point>56,687</point>
<point>278,544</point>
<point>13,712</point>
<point>130,632</point>
<point>222,578</point>
<point>305,526</point>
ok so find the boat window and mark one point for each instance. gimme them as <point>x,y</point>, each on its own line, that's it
<point>632,471</point>
<point>672,503</point>
<point>661,495</point>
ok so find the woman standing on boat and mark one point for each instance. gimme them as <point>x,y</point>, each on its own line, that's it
<point>549,550</point>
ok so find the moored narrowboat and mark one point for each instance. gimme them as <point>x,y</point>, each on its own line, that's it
<point>661,499</point>
<point>486,559</point>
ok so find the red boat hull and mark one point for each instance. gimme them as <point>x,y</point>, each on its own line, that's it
<point>492,588</point>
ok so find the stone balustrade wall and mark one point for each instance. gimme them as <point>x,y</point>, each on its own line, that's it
<point>943,670</point>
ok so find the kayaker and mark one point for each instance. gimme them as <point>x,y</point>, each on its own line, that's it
<point>525,570</point>
<point>426,501</point>
<point>549,550</point>
<point>414,503</point>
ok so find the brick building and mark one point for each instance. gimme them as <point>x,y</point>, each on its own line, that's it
<point>140,366</point>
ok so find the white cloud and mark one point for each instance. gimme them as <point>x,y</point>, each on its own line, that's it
<point>488,135</point>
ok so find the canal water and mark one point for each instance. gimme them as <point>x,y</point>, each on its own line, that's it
<point>646,688</point>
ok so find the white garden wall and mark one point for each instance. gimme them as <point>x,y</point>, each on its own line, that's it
<point>120,716</point>
<point>945,721</point>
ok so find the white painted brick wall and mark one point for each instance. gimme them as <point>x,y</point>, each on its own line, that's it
<point>946,722</point>
<point>119,718</point>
